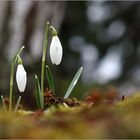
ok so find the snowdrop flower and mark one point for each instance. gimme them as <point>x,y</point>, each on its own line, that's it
<point>21,78</point>
<point>56,51</point>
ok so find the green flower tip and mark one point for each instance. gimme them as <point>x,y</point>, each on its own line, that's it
<point>47,23</point>
<point>81,68</point>
<point>22,47</point>
<point>20,60</point>
<point>35,76</point>
<point>54,32</point>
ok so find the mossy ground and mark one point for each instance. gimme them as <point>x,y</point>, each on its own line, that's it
<point>119,119</point>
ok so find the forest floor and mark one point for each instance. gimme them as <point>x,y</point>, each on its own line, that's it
<point>95,117</point>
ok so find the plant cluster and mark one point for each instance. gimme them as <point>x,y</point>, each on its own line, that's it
<point>56,53</point>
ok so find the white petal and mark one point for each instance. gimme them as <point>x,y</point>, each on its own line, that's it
<point>21,78</point>
<point>56,51</point>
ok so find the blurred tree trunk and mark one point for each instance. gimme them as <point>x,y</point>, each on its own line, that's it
<point>26,23</point>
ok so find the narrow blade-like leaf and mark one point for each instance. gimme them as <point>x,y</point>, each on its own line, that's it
<point>17,104</point>
<point>50,79</point>
<point>38,95</point>
<point>3,103</point>
<point>73,83</point>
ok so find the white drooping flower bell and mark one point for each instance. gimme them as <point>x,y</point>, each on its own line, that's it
<point>56,51</point>
<point>21,78</point>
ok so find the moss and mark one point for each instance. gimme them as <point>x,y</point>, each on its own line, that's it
<point>117,120</point>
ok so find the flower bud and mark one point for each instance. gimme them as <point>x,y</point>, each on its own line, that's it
<point>56,51</point>
<point>21,78</point>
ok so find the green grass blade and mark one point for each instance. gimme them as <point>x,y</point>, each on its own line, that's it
<point>3,103</point>
<point>17,104</point>
<point>73,83</point>
<point>50,79</point>
<point>38,95</point>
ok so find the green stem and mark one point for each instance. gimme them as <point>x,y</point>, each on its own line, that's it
<point>43,58</point>
<point>12,77</point>
<point>17,104</point>
<point>11,86</point>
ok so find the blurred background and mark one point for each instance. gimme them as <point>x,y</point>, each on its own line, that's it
<point>102,36</point>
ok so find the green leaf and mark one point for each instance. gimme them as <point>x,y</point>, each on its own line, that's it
<point>3,103</point>
<point>38,95</point>
<point>73,83</point>
<point>50,79</point>
<point>17,104</point>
